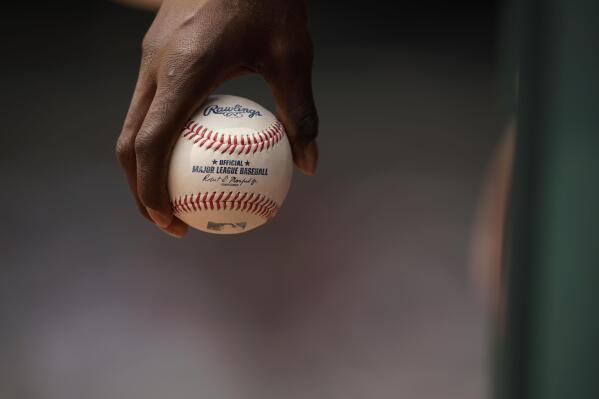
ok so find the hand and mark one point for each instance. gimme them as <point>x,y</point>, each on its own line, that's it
<point>190,49</point>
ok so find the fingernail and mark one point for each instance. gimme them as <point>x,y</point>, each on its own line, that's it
<point>310,158</point>
<point>160,218</point>
<point>174,232</point>
<point>176,229</point>
<point>308,128</point>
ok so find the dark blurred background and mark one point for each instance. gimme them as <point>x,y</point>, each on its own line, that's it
<point>360,288</point>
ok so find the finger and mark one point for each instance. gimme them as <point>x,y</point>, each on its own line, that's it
<point>176,229</point>
<point>170,109</point>
<point>125,147</point>
<point>290,79</point>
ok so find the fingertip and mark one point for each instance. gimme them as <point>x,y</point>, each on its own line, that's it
<point>162,219</point>
<point>306,157</point>
<point>176,229</point>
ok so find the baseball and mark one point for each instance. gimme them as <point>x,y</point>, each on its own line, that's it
<point>231,167</point>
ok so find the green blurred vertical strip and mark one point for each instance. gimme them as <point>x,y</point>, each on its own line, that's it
<point>550,349</point>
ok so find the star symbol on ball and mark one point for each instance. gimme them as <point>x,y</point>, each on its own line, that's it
<point>247,163</point>
<point>214,162</point>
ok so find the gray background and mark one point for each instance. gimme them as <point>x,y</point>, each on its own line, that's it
<point>358,289</point>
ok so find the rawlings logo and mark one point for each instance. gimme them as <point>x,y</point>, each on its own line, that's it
<point>236,111</point>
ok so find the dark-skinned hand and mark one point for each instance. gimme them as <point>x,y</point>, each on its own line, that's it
<point>190,49</point>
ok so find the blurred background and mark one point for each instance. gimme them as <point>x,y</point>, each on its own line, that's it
<point>360,288</point>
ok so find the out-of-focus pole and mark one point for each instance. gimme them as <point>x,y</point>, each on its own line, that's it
<point>550,346</point>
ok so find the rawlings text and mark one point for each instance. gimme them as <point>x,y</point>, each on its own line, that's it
<point>236,111</point>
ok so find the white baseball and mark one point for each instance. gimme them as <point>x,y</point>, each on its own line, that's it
<point>231,168</point>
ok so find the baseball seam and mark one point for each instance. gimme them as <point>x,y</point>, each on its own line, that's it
<point>257,204</point>
<point>203,137</point>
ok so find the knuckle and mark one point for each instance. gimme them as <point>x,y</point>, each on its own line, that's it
<point>124,150</point>
<point>148,44</point>
<point>180,65</point>
<point>150,144</point>
<point>188,56</point>
<point>280,47</point>
<point>149,47</point>
<point>184,52</point>
<point>294,49</point>
<point>128,127</point>
<point>144,143</point>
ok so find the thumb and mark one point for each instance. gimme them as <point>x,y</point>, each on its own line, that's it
<point>290,80</point>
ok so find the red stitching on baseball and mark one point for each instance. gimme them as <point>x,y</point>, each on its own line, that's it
<point>257,204</point>
<point>229,143</point>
